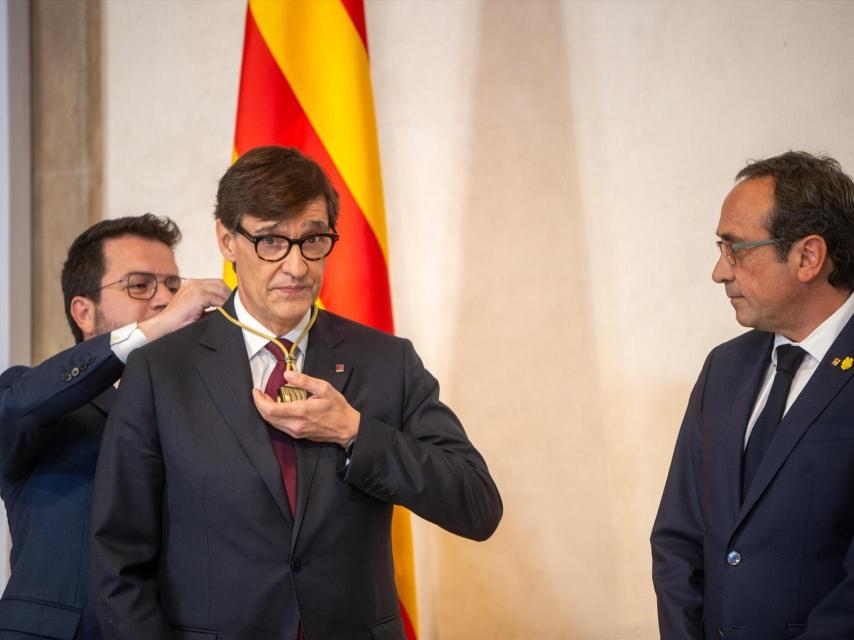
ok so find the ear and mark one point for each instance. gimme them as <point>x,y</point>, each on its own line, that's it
<point>811,254</point>
<point>83,310</point>
<point>225,240</point>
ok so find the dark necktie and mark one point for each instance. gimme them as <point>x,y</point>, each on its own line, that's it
<point>283,444</point>
<point>789,358</point>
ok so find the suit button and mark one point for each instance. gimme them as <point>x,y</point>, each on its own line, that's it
<point>90,359</point>
<point>66,377</point>
<point>296,565</point>
<point>733,558</point>
<point>75,372</point>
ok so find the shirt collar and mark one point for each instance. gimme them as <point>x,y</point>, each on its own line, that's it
<point>818,342</point>
<point>254,343</point>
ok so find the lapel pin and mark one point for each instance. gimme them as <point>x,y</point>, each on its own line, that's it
<point>836,361</point>
<point>339,368</point>
<point>846,364</point>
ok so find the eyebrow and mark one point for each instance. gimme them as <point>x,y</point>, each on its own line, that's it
<point>728,237</point>
<point>270,229</point>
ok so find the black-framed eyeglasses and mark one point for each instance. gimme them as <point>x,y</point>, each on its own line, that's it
<point>143,286</point>
<point>272,248</point>
<point>728,249</point>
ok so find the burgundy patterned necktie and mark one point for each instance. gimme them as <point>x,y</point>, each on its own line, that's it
<point>283,444</point>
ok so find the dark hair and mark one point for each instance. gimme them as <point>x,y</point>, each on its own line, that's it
<point>85,265</point>
<point>272,183</point>
<point>812,195</point>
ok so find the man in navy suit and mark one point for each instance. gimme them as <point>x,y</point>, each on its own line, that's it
<point>121,290</point>
<point>219,513</point>
<point>753,538</point>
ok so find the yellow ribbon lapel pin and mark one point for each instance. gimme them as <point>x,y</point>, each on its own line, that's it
<point>843,363</point>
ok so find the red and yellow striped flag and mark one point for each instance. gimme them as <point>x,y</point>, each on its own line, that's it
<point>305,83</point>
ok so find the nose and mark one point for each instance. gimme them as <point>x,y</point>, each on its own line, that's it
<point>162,297</point>
<point>723,271</point>
<point>294,264</point>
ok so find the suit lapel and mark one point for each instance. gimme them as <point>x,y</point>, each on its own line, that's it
<point>104,401</point>
<point>320,362</point>
<point>755,364</point>
<point>825,383</point>
<point>224,369</point>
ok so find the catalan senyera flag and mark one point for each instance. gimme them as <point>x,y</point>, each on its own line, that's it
<point>305,83</point>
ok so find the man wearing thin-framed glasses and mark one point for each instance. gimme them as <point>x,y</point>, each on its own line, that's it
<point>221,513</point>
<point>122,290</point>
<point>754,536</point>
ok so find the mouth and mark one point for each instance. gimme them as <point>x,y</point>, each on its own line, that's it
<point>291,291</point>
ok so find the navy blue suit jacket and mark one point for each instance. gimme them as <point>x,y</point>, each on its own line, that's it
<point>193,535</point>
<point>792,573</point>
<point>51,420</point>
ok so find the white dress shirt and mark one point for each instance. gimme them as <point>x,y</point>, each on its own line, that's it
<point>816,345</point>
<point>125,339</point>
<point>261,361</point>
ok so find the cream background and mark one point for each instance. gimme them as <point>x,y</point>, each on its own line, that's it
<point>553,175</point>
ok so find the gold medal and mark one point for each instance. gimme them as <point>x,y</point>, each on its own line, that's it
<point>288,393</point>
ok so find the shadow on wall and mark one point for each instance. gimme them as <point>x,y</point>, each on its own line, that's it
<point>525,374</point>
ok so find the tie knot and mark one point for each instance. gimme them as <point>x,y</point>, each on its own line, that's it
<point>273,348</point>
<point>789,358</point>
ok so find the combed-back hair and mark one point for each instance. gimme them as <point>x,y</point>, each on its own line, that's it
<point>812,195</point>
<point>85,264</point>
<point>272,183</point>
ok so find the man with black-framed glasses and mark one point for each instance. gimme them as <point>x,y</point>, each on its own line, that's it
<point>122,290</point>
<point>221,513</point>
<point>754,536</point>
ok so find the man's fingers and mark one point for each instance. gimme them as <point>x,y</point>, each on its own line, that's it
<point>287,417</point>
<point>271,408</point>
<point>315,386</point>
<point>209,291</point>
<point>266,405</point>
<point>216,287</point>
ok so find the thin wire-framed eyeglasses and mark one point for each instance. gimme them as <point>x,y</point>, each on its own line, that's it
<point>143,286</point>
<point>728,249</point>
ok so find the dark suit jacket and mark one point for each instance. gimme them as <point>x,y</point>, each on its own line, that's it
<point>51,420</point>
<point>792,574</point>
<point>193,534</point>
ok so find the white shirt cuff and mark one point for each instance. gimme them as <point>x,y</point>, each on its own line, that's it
<point>125,339</point>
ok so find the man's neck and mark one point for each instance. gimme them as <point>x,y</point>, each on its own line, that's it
<point>245,314</point>
<point>815,311</point>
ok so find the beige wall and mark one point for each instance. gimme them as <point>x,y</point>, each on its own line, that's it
<point>553,174</point>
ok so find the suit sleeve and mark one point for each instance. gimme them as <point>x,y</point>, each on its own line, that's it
<point>677,535</point>
<point>126,514</point>
<point>427,463</point>
<point>833,616</point>
<point>33,400</point>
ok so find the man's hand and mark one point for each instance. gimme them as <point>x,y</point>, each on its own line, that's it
<point>188,305</point>
<point>325,417</point>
